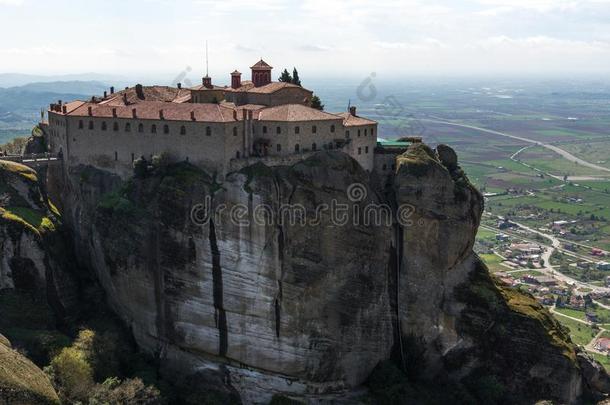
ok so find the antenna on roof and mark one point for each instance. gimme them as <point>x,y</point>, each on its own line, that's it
<point>206,59</point>
<point>349,104</point>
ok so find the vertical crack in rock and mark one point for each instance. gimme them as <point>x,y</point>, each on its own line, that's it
<point>398,269</point>
<point>159,281</point>
<point>221,315</point>
<point>278,298</point>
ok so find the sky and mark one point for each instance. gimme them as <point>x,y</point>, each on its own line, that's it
<point>323,38</point>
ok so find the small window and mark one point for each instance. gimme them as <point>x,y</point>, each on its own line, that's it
<point>116,156</point>
<point>297,148</point>
<point>384,168</point>
<point>90,124</point>
<point>153,129</point>
<point>80,124</point>
<point>128,127</point>
<point>115,126</point>
<point>366,149</point>
<point>133,157</point>
<point>332,128</point>
<point>330,145</point>
<point>237,154</point>
<point>360,151</point>
<point>166,129</point>
<point>234,131</point>
<point>264,129</point>
<point>182,130</point>
<point>140,127</point>
<point>393,167</point>
<point>372,131</point>
<point>278,130</point>
<point>347,134</point>
<point>279,147</point>
<point>297,130</point>
<point>314,146</point>
<point>208,131</point>
<point>314,129</point>
<point>358,133</point>
<point>104,126</point>
<point>366,132</point>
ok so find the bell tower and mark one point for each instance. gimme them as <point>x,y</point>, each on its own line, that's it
<point>261,73</point>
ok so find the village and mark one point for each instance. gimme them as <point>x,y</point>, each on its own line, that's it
<point>571,279</point>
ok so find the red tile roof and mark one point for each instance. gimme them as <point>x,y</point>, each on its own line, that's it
<point>350,120</point>
<point>150,93</point>
<point>151,110</point>
<point>294,112</point>
<point>261,65</point>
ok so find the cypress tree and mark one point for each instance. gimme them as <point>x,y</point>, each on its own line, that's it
<point>295,77</point>
<point>285,77</point>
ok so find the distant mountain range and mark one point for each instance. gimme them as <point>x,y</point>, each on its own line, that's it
<point>19,79</point>
<point>20,105</point>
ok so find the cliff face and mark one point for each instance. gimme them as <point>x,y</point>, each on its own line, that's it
<point>33,254</point>
<point>311,303</point>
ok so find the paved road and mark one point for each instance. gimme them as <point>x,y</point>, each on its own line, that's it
<point>561,152</point>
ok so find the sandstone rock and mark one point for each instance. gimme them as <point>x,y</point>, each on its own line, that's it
<point>21,382</point>
<point>447,156</point>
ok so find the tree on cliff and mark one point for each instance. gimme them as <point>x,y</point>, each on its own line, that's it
<point>285,77</point>
<point>295,77</point>
<point>317,103</point>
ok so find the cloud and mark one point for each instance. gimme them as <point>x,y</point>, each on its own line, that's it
<point>315,48</point>
<point>11,2</point>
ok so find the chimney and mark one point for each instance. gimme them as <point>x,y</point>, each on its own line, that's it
<point>207,81</point>
<point>352,110</point>
<point>192,115</point>
<point>235,80</point>
<point>125,99</point>
<point>90,110</point>
<point>114,112</point>
<point>105,94</point>
<point>59,102</point>
<point>112,90</point>
<point>134,113</point>
<point>161,114</point>
<point>179,86</point>
<point>64,109</point>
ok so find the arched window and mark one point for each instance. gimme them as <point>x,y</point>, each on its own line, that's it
<point>90,124</point>
<point>264,129</point>
<point>183,130</point>
<point>166,129</point>
<point>358,133</point>
<point>128,127</point>
<point>332,128</point>
<point>153,129</point>
<point>297,130</point>
<point>104,127</point>
<point>366,132</point>
<point>279,147</point>
<point>140,127</point>
<point>115,126</point>
<point>297,148</point>
<point>314,129</point>
<point>235,132</point>
<point>237,154</point>
<point>314,146</point>
<point>278,130</point>
<point>208,131</point>
<point>366,149</point>
<point>80,124</point>
<point>347,134</point>
<point>360,151</point>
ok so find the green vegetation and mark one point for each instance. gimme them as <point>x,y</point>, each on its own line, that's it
<point>580,333</point>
